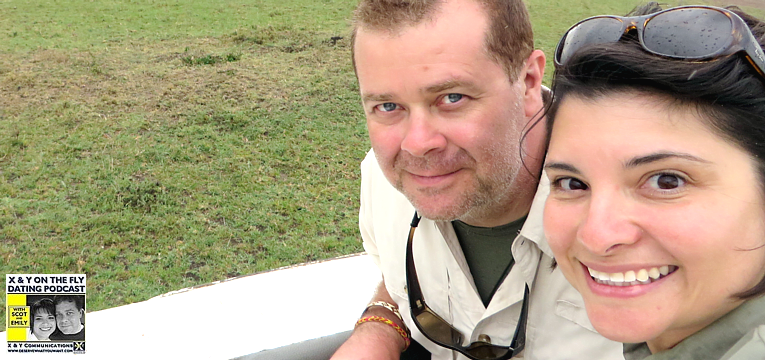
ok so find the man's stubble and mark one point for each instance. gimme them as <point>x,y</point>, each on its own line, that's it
<point>489,191</point>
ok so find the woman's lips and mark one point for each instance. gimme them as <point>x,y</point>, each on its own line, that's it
<point>640,276</point>
<point>622,284</point>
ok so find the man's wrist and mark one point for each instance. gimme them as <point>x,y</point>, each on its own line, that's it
<point>386,314</point>
<point>386,305</point>
<point>384,309</point>
<point>386,334</point>
<point>404,334</point>
<point>371,341</point>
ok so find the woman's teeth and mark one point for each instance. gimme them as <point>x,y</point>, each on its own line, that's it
<point>629,278</point>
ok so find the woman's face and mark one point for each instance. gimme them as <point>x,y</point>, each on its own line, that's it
<point>45,324</point>
<point>650,217</point>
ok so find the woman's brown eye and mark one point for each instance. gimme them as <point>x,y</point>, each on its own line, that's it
<point>572,184</point>
<point>666,181</point>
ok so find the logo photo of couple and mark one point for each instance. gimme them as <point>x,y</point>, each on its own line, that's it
<point>56,317</point>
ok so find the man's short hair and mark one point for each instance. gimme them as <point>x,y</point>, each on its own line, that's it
<point>76,299</point>
<point>509,40</point>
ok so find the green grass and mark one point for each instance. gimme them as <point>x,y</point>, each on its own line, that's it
<point>85,24</point>
<point>155,145</point>
<point>210,59</point>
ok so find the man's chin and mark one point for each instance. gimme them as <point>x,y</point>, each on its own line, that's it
<point>438,211</point>
<point>70,331</point>
<point>440,205</point>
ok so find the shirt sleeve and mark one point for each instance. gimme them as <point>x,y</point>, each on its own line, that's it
<point>366,225</point>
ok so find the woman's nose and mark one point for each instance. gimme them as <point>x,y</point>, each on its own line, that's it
<point>609,224</point>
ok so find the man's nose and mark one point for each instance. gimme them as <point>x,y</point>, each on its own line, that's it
<point>609,224</point>
<point>423,133</point>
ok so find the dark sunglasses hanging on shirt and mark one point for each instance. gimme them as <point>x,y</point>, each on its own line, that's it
<point>444,334</point>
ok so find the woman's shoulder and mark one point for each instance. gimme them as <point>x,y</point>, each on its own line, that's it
<point>751,346</point>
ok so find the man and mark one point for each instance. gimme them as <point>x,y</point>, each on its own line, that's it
<point>450,94</point>
<point>70,310</point>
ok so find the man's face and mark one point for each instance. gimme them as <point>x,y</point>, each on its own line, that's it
<point>445,120</point>
<point>68,317</point>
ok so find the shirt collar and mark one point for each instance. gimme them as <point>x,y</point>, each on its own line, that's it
<point>532,228</point>
<point>713,341</point>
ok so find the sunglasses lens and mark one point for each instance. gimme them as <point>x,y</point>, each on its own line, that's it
<point>438,330</point>
<point>489,352</point>
<point>688,33</point>
<point>593,31</point>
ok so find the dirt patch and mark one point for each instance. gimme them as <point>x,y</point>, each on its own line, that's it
<point>154,79</point>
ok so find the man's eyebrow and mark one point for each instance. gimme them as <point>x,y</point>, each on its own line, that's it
<point>562,166</point>
<point>449,84</point>
<point>646,159</point>
<point>376,97</point>
<point>435,88</point>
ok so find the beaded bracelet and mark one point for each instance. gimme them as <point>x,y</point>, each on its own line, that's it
<point>392,308</point>
<point>383,320</point>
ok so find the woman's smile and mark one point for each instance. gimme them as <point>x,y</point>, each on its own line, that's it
<point>642,276</point>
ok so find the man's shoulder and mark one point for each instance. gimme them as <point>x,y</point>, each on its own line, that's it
<point>376,190</point>
<point>370,167</point>
<point>61,336</point>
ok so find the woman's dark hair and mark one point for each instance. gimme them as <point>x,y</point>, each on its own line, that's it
<point>726,93</point>
<point>42,304</point>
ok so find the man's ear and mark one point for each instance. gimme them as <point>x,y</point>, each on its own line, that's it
<point>532,73</point>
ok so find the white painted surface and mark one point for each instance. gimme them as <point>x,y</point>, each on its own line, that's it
<point>275,308</point>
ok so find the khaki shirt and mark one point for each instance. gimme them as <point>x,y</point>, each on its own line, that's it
<point>736,336</point>
<point>557,328</point>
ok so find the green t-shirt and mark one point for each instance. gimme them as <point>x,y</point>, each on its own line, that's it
<point>488,255</point>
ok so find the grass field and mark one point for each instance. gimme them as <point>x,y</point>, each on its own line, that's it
<point>155,145</point>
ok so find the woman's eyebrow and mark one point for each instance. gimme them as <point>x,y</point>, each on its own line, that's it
<point>562,166</point>
<point>646,159</point>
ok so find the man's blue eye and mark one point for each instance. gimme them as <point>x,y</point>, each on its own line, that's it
<point>453,98</point>
<point>386,107</point>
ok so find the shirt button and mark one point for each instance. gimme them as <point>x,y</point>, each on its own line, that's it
<point>484,338</point>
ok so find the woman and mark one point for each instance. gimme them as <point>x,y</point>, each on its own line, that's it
<point>42,322</point>
<point>656,165</point>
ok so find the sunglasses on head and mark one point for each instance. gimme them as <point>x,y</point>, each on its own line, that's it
<point>441,332</point>
<point>686,32</point>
